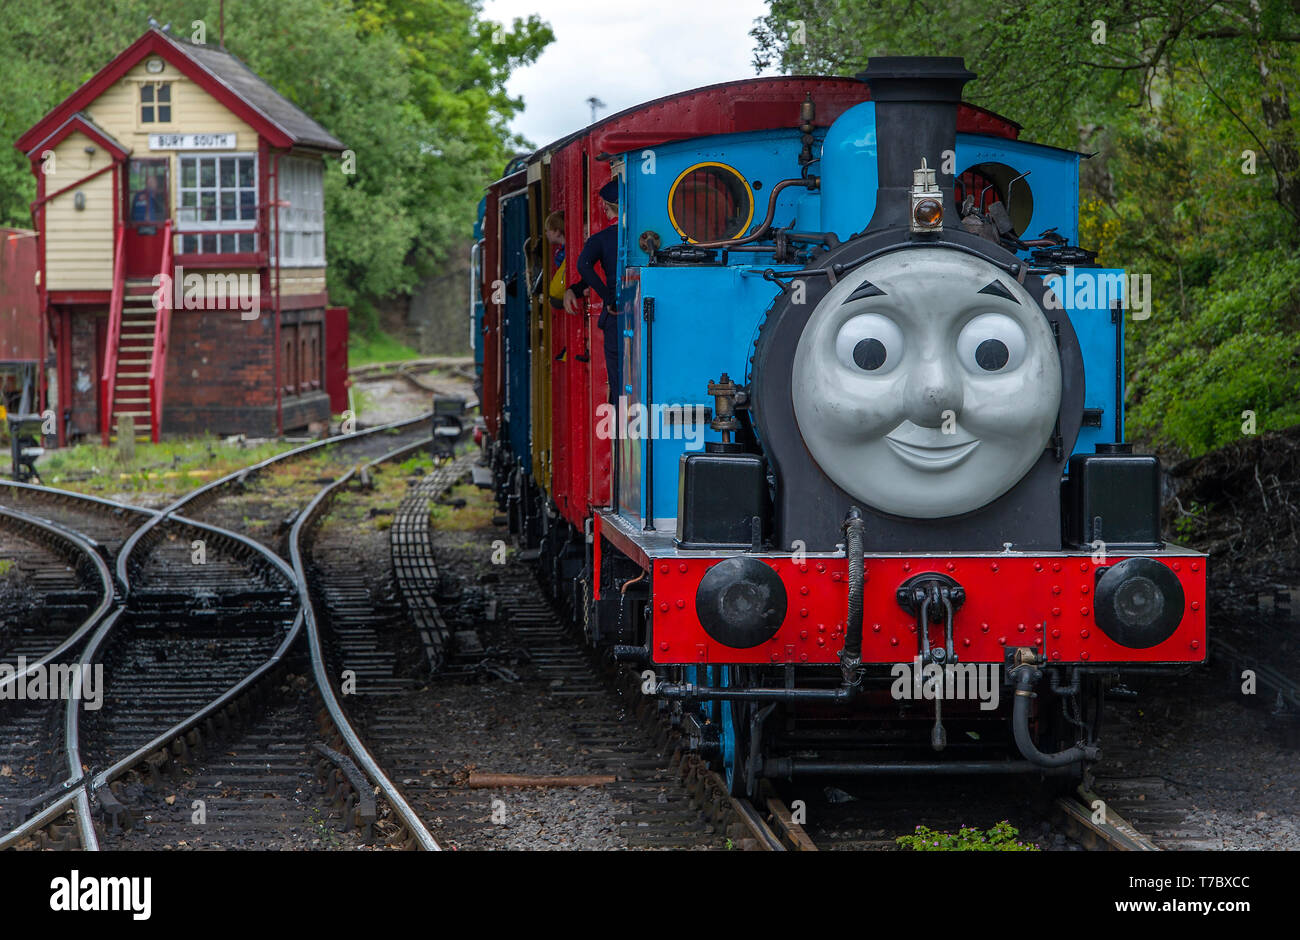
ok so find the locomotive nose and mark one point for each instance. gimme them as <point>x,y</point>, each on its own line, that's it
<point>933,394</point>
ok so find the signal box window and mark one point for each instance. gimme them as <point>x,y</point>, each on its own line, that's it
<point>156,103</point>
<point>217,195</point>
<point>710,202</point>
<point>147,198</point>
<point>301,216</point>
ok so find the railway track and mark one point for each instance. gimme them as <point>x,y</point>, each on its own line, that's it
<point>354,758</point>
<point>263,501</point>
<point>102,522</point>
<point>208,614</point>
<point>411,371</point>
<point>520,696</point>
<point>54,590</point>
<point>197,651</point>
<point>873,818</point>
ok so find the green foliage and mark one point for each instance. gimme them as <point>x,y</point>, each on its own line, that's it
<point>1170,102</point>
<point>1001,838</point>
<point>1233,349</point>
<point>364,349</point>
<point>415,88</point>
<point>174,465</point>
<point>1191,524</point>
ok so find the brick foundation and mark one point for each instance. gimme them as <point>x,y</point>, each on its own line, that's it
<point>220,375</point>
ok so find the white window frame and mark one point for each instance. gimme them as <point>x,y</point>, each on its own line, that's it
<point>195,226</point>
<point>300,226</point>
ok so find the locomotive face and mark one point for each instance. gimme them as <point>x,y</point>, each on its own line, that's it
<point>927,383</point>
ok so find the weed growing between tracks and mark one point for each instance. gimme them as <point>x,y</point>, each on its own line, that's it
<point>466,508</point>
<point>388,486</point>
<point>1003,837</point>
<point>170,468</point>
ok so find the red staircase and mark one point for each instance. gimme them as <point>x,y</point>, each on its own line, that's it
<point>135,353</point>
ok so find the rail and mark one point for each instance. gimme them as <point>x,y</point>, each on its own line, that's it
<point>360,753</point>
<point>1088,820</point>
<point>28,522</point>
<point>79,786</point>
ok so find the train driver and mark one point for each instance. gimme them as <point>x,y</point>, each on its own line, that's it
<point>602,248</point>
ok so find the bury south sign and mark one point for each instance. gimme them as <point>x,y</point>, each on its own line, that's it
<point>191,141</point>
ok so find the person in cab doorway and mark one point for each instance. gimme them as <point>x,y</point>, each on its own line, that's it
<point>555,238</point>
<point>602,249</point>
<point>554,232</point>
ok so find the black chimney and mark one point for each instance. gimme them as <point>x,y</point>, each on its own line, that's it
<point>916,101</point>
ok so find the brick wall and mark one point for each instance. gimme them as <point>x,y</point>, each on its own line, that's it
<point>221,377</point>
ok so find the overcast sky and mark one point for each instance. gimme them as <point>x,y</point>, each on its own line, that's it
<point>624,53</point>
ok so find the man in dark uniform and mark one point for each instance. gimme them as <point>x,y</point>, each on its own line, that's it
<point>602,248</point>
<point>148,204</point>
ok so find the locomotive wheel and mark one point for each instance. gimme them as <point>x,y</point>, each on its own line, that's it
<point>735,735</point>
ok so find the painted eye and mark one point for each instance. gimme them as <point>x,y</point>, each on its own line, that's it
<point>870,343</point>
<point>992,342</point>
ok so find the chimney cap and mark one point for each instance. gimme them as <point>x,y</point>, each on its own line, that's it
<point>912,78</point>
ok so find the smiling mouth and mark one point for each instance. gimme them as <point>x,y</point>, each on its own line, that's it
<point>944,457</point>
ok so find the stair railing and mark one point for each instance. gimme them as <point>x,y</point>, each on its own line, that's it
<point>108,380</point>
<point>161,330</point>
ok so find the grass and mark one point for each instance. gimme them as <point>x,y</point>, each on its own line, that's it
<point>375,507</point>
<point>364,349</point>
<point>477,512</point>
<point>170,467</point>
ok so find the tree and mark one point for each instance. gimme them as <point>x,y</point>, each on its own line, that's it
<point>1059,67</point>
<point>1195,179</point>
<point>414,88</point>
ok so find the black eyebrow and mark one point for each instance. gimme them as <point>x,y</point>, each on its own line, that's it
<point>997,289</point>
<point>865,289</point>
